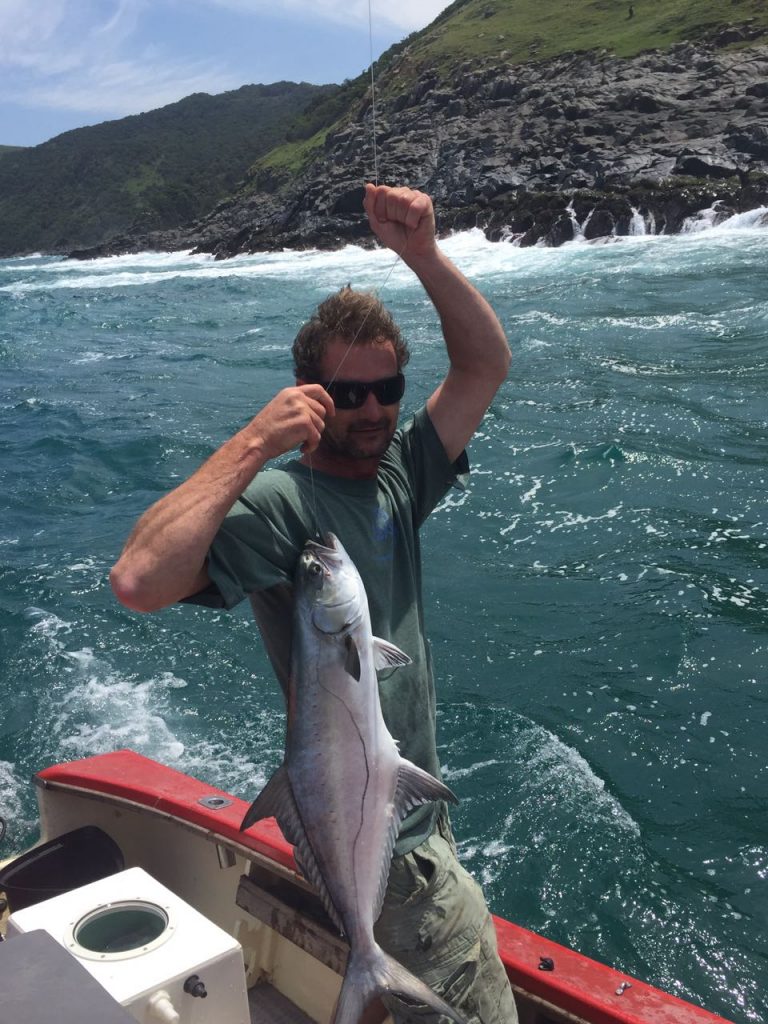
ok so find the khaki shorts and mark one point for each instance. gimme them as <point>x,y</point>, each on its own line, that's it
<point>435,922</point>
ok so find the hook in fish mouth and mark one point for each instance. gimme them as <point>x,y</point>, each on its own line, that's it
<point>328,544</point>
<point>321,557</point>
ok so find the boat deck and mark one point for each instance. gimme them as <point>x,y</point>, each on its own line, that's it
<point>268,1006</point>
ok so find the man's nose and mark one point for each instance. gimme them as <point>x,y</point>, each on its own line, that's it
<point>371,403</point>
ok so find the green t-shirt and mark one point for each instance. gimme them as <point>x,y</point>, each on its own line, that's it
<point>256,550</point>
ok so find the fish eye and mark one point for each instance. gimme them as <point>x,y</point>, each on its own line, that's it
<point>315,569</point>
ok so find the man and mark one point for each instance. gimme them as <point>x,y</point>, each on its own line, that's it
<point>231,531</point>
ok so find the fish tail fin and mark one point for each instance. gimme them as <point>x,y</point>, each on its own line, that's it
<point>377,974</point>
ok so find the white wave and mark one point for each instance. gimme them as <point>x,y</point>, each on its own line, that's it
<point>572,519</point>
<point>451,774</point>
<point>103,711</point>
<point>49,625</point>
<point>11,790</point>
<point>713,219</point>
<point>378,269</point>
<point>10,265</point>
<point>747,221</point>
<point>94,709</point>
<point>327,269</point>
<point>555,765</point>
<point>214,760</point>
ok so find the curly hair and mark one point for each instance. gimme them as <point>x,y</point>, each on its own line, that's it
<point>348,316</point>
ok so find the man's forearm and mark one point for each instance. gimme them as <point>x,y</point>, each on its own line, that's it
<point>474,338</point>
<point>164,557</point>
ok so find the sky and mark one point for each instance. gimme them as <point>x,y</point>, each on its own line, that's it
<point>69,63</point>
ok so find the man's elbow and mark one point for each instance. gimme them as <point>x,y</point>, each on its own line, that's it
<point>129,591</point>
<point>504,364</point>
<point>496,370</point>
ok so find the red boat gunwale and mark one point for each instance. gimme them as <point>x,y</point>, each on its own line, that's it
<point>578,985</point>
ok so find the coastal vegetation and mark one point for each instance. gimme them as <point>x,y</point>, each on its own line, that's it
<point>149,171</point>
<point>542,29</point>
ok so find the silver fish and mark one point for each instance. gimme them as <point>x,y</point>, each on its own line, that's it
<point>343,788</point>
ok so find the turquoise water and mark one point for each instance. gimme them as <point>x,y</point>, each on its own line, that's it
<point>597,602</point>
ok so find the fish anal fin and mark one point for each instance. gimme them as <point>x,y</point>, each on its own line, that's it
<point>389,849</point>
<point>307,865</point>
<point>415,787</point>
<point>276,800</point>
<point>386,655</point>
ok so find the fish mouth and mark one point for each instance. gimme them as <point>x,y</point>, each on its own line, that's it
<point>325,553</point>
<point>328,545</point>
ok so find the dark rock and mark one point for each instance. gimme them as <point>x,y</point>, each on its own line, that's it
<point>638,100</point>
<point>694,166</point>
<point>600,223</point>
<point>751,139</point>
<point>509,149</point>
<point>349,202</point>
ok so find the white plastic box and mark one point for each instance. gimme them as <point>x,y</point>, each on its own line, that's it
<point>143,943</point>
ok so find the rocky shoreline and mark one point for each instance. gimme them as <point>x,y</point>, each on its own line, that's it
<point>534,153</point>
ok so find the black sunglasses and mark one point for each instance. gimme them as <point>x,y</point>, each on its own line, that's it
<point>351,394</point>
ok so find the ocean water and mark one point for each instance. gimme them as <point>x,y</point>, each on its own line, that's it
<point>597,601</point>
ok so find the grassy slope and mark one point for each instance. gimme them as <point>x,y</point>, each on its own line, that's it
<point>546,28</point>
<point>523,30</point>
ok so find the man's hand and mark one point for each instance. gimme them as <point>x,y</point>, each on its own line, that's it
<point>402,219</point>
<point>295,417</point>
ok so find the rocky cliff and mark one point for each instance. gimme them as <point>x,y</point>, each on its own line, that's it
<point>584,142</point>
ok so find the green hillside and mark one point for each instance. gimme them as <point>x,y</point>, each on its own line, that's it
<point>518,31</point>
<point>523,29</point>
<point>154,170</point>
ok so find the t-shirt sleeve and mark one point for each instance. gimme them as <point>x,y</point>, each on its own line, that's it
<point>256,547</point>
<point>431,472</point>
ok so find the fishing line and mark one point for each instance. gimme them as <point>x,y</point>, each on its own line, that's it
<point>398,256</point>
<point>373,96</point>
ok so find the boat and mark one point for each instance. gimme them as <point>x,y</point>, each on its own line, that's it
<point>144,901</point>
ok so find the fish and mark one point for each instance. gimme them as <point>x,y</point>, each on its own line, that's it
<point>343,788</point>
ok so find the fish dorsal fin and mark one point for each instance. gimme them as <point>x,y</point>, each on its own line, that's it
<point>386,655</point>
<point>276,800</point>
<point>352,661</point>
<point>416,787</point>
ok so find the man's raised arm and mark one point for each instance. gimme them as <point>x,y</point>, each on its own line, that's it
<point>164,559</point>
<point>479,355</point>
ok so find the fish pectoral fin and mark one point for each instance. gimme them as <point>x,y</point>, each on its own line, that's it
<point>274,801</point>
<point>352,660</point>
<point>386,655</point>
<point>415,787</point>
